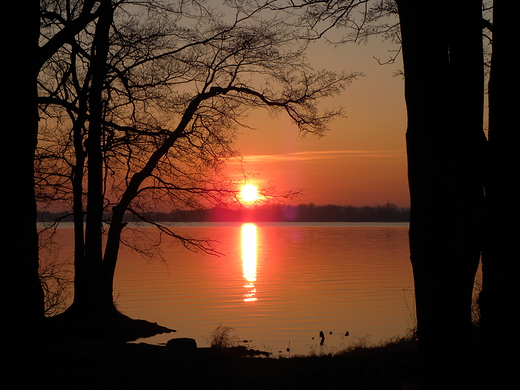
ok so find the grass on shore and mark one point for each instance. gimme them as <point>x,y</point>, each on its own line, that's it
<point>84,364</point>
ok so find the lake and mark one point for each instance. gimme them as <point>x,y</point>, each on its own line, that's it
<point>278,285</point>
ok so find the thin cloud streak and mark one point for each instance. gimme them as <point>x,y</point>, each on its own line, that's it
<point>325,155</point>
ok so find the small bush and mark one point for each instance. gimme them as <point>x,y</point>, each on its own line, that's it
<point>222,337</point>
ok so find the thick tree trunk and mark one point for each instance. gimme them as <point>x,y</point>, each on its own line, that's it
<point>501,259</point>
<point>22,297</point>
<point>443,89</point>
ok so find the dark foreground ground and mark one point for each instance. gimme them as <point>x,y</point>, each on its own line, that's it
<point>82,364</point>
<point>93,353</point>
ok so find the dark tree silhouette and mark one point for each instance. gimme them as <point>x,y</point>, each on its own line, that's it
<point>444,82</point>
<point>152,107</point>
<point>22,294</point>
<point>501,263</point>
<point>451,165</point>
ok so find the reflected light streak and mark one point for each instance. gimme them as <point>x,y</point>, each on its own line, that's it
<point>249,260</point>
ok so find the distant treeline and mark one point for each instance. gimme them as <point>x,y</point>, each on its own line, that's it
<point>271,213</point>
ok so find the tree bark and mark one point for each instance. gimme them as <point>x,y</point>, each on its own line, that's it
<point>501,259</point>
<point>444,95</point>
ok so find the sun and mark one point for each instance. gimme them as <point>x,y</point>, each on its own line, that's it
<point>249,193</point>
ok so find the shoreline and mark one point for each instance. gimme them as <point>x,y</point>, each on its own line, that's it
<point>87,364</point>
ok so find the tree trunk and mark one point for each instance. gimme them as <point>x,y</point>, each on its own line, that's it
<point>132,188</point>
<point>78,176</point>
<point>93,285</point>
<point>92,291</point>
<point>501,259</point>
<point>22,295</point>
<point>444,92</point>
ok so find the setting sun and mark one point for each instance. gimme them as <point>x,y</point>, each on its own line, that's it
<point>249,193</point>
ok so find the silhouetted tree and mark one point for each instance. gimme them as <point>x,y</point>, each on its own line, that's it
<point>152,103</point>
<point>23,298</point>
<point>448,159</point>
<point>445,145</point>
<point>21,293</point>
<point>500,292</point>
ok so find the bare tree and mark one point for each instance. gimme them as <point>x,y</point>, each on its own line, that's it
<point>21,293</point>
<point>27,52</point>
<point>151,102</point>
<point>450,164</point>
<point>500,258</point>
<point>447,173</point>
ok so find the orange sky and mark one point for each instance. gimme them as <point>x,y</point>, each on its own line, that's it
<point>362,160</point>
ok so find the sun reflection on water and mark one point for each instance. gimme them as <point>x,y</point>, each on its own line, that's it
<point>249,260</point>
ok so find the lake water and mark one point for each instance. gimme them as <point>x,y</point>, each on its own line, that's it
<point>277,285</point>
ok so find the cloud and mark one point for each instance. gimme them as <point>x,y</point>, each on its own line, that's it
<point>379,155</point>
